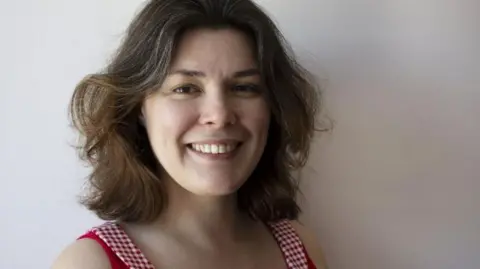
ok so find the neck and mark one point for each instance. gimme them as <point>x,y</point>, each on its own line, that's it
<point>206,221</point>
<point>200,214</point>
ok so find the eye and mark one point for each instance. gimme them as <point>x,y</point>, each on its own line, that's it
<point>247,88</point>
<point>186,89</point>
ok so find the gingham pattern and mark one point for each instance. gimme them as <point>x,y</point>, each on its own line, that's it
<point>115,237</point>
<point>290,244</point>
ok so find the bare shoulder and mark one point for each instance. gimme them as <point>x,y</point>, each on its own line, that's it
<point>82,254</point>
<point>311,244</point>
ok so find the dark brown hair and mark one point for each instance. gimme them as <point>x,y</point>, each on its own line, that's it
<point>105,109</point>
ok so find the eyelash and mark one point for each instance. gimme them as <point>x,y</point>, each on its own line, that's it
<point>188,86</point>
<point>251,88</point>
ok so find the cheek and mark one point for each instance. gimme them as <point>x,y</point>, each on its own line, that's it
<point>257,116</point>
<point>168,120</point>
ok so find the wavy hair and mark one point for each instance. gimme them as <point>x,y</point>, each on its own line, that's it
<point>105,109</point>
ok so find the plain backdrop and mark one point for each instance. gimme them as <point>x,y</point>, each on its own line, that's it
<point>395,185</point>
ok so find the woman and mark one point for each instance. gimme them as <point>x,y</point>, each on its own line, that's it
<point>193,131</point>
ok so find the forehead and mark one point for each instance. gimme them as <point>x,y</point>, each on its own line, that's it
<point>214,51</point>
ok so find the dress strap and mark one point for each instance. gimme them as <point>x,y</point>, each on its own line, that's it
<point>290,244</point>
<point>112,234</point>
<point>115,238</point>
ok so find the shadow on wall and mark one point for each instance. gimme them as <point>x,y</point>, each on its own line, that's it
<point>394,184</point>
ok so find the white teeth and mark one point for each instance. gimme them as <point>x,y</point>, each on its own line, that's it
<point>206,148</point>
<point>214,148</point>
<point>222,149</point>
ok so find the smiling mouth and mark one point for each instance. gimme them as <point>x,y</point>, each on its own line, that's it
<point>214,149</point>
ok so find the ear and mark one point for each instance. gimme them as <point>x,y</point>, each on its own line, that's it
<point>141,117</point>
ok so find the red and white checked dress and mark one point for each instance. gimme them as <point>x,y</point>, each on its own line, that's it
<point>124,254</point>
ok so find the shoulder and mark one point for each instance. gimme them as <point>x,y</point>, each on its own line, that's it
<point>309,240</point>
<point>82,254</point>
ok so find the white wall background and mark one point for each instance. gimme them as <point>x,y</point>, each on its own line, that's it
<point>396,185</point>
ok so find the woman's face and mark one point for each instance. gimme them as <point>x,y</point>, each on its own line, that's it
<point>208,122</point>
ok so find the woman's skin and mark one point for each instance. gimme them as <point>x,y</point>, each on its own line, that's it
<point>207,125</point>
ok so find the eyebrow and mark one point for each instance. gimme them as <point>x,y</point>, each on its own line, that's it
<point>239,74</point>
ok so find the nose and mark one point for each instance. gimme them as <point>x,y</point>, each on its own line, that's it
<point>217,110</point>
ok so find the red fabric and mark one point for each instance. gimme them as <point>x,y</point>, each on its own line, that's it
<point>116,263</point>
<point>291,245</point>
<point>310,263</point>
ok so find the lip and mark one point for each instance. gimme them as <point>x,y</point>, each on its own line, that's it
<point>216,141</point>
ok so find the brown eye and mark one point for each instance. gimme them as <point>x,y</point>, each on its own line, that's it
<point>247,88</point>
<point>186,89</point>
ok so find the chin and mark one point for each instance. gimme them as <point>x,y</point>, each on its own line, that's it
<point>215,186</point>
